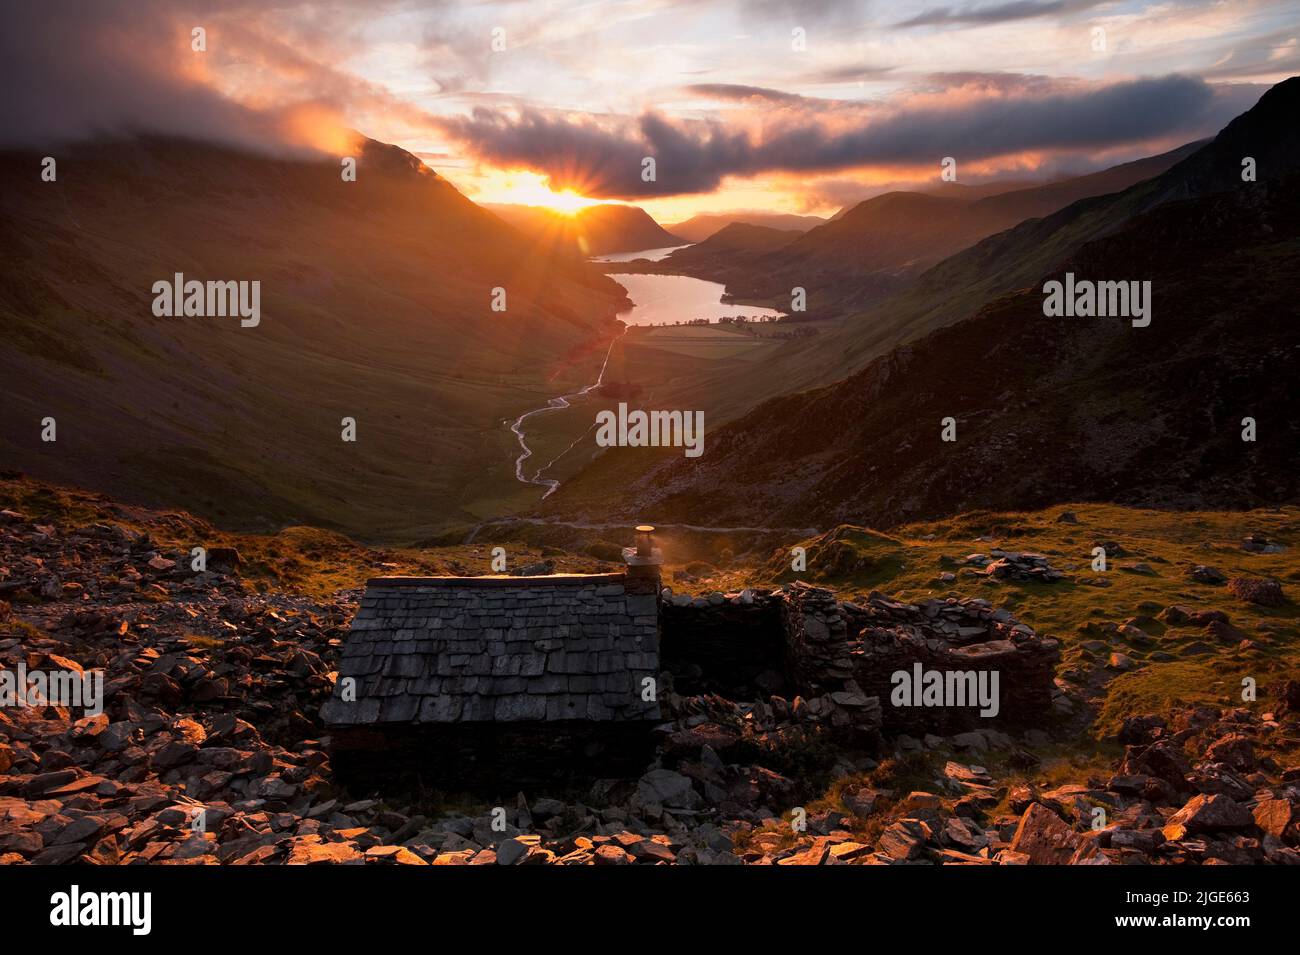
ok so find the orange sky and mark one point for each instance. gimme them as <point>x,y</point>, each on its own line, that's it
<point>802,106</point>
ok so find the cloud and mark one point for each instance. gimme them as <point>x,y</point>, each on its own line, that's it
<point>72,71</point>
<point>75,70</point>
<point>276,76</point>
<point>983,15</point>
<point>822,12</point>
<point>603,157</point>
<point>849,73</point>
<point>1022,84</point>
<point>744,94</point>
<point>1275,54</point>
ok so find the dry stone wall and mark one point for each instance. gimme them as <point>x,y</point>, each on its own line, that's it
<point>840,660</point>
<point>732,644</point>
<point>854,650</point>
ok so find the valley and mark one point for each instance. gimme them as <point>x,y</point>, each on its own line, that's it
<point>683,321</point>
<point>722,433</point>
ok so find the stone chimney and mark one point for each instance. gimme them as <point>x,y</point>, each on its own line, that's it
<point>643,562</point>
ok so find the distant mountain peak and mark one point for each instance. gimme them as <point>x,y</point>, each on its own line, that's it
<point>596,230</point>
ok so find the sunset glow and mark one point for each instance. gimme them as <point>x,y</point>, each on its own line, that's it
<point>740,112</point>
<point>523,188</point>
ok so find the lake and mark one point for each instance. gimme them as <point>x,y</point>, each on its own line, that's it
<point>651,255</point>
<point>664,299</point>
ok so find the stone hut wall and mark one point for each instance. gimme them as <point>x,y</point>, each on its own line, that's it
<point>819,657</point>
<point>860,646</point>
<point>840,657</point>
<point>732,644</point>
<point>952,636</point>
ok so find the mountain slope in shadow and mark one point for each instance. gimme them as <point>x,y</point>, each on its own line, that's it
<point>1048,409</point>
<point>376,300</point>
<point>959,286</point>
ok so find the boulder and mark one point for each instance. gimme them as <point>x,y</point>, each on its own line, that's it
<point>1044,837</point>
<point>667,788</point>
<point>1209,813</point>
<point>1264,591</point>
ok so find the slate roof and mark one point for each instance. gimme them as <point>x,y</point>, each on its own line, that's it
<point>498,649</point>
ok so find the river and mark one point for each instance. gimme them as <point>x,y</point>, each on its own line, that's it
<point>657,299</point>
<point>557,403</point>
<point>650,255</point>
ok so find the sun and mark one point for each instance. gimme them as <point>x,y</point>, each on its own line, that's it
<point>567,202</point>
<point>530,189</point>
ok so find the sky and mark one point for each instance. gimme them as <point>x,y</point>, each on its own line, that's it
<point>802,106</point>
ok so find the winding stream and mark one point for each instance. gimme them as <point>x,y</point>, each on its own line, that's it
<point>557,403</point>
<point>658,299</point>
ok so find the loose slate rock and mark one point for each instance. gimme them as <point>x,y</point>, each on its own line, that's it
<point>1044,838</point>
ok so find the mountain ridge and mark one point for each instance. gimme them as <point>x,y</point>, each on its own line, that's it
<point>603,229</point>
<point>875,247</point>
<point>700,227</point>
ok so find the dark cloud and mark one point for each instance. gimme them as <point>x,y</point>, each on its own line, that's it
<point>605,159</point>
<point>996,12</point>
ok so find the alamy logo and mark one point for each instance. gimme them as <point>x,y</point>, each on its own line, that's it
<point>74,907</point>
<point>651,429</point>
<point>18,687</point>
<point>947,688</point>
<point>209,299</point>
<point>1088,299</point>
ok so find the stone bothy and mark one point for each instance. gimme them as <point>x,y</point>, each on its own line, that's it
<point>493,672</point>
<point>475,682</point>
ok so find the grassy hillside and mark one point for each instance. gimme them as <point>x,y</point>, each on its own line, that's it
<point>1172,663</point>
